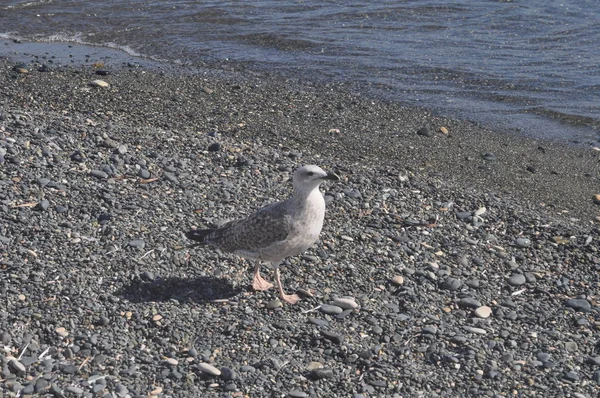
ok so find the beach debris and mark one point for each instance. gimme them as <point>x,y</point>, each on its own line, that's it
<point>99,83</point>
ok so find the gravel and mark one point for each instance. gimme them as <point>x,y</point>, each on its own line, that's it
<point>444,268</point>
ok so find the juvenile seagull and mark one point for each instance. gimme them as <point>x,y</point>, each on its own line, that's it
<point>276,231</point>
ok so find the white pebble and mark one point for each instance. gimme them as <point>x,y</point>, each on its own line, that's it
<point>483,312</point>
<point>480,211</point>
<point>98,83</point>
<point>209,369</point>
<point>345,303</point>
<point>61,331</point>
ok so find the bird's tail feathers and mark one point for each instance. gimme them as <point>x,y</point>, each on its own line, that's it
<point>199,235</point>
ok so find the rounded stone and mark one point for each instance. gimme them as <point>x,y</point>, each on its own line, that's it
<point>517,280</point>
<point>214,147</point>
<point>321,373</point>
<point>297,394</point>
<point>99,174</point>
<point>209,369</point>
<point>579,305</point>
<point>425,132</point>
<point>451,284</point>
<point>522,242</point>
<point>17,366</point>
<point>483,312</point>
<point>99,83</point>
<point>331,309</point>
<point>274,304</point>
<point>469,302</point>
<point>397,280</point>
<point>345,303</point>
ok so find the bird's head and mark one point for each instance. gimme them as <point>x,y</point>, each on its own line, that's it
<point>309,177</point>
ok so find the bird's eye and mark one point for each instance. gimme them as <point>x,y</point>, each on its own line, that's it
<point>310,173</point>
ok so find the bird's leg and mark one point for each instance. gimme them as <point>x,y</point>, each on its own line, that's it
<point>290,298</point>
<point>258,283</point>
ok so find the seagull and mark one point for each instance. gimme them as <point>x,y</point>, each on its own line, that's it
<point>276,231</point>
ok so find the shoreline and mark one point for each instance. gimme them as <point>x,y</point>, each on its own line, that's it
<point>473,275</point>
<point>559,175</point>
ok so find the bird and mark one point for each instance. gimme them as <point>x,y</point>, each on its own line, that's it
<point>275,231</point>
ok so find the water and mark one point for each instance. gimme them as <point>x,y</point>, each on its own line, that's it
<point>532,66</point>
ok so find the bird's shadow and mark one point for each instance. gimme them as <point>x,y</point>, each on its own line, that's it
<point>196,290</point>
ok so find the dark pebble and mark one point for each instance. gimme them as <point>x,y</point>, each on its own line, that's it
<point>425,132</point>
<point>214,147</point>
<point>572,376</point>
<point>579,305</point>
<point>69,369</point>
<point>41,385</point>
<point>297,394</point>
<point>137,243</point>
<point>99,174</point>
<point>469,302</point>
<point>228,374</point>
<point>543,356</point>
<point>44,205</point>
<point>77,156</point>
<point>143,173</point>
<point>321,373</point>
<point>61,209</point>
<point>451,284</point>
<point>331,309</point>
<point>593,361</point>
<point>171,177</point>
<point>318,321</point>
<point>334,337</point>
<point>149,277</point>
<point>517,280</point>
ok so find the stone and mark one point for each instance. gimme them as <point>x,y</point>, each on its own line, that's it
<point>209,369</point>
<point>140,243</point>
<point>522,242</point>
<point>579,305</point>
<point>451,284</point>
<point>517,280</point>
<point>297,394</point>
<point>99,174</point>
<point>331,309</point>
<point>424,131</point>
<point>99,83</point>
<point>44,204</point>
<point>345,303</point>
<point>483,312</point>
<point>143,173</point>
<point>214,147</point>
<point>61,331</point>
<point>320,373</point>
<point>469,302</point>
<point>17,366</point>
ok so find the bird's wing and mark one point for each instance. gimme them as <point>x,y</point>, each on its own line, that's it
<point>268,225</point>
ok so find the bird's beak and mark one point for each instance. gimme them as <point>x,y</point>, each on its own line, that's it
<point>331,177</point>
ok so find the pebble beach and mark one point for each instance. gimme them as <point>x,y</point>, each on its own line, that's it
<point>455,261</point>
